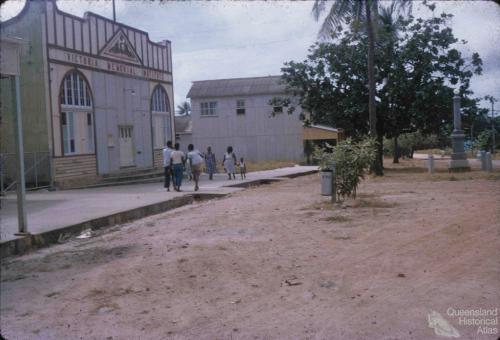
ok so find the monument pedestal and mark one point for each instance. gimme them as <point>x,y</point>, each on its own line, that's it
<point>459,165</point>
<point>459,162</point>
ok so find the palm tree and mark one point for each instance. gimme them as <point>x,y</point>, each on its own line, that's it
<point>388,30</point>
<point>184,109</point>
<point>358,11</point>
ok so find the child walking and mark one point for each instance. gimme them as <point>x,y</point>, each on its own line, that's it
<point>243,168</point>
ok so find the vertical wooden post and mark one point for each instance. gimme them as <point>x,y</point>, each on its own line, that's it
<point>20,185</point>
<point>334,184</point>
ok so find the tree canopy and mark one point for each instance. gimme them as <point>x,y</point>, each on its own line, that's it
<point>417,66</point>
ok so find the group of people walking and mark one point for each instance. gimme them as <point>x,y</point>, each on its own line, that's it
<point>175,162</point>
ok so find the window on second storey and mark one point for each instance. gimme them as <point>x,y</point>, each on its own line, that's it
<point>277,109</point>
<point>240,107</point>
<point>208,108</point>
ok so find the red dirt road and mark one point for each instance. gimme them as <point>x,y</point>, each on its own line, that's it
<point>273,262</point>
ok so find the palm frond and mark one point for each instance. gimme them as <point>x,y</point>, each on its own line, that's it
<point>340,12</point>
<point>318,8</point>
<point>403,6</point>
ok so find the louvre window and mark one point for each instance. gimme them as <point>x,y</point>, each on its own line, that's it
<point>278,109</point>
<point>240,107</point>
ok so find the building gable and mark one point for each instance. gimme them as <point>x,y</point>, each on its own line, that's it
<point>120,48</point>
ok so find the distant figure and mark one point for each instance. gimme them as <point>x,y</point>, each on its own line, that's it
<point>177,159</point>
<point>166,164</point>
<point>210,163</point>
<point>189,172</point>
<point>229,162</point>
<point>243,168</point>
<point>195,162</point>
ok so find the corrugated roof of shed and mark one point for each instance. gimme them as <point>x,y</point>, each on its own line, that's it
<point>236,87</point>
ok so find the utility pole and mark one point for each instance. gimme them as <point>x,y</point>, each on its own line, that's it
<point>114,11</point>
<point>493,126</point>
<point>492,101</point>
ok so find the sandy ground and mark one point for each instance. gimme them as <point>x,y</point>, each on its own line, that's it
<point>273,262</point>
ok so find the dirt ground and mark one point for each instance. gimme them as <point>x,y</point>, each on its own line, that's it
<point>273,262</point>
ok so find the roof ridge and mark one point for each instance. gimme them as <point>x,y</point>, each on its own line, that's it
<point>240,78</point>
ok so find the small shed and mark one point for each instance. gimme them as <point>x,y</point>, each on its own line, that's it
<point>322,133</point>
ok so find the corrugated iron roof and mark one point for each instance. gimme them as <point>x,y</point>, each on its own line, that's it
<point>236,87</point>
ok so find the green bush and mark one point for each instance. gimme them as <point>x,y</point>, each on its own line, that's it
<point>409,142</point>
<point>484,140</point>
<point>351,161</point>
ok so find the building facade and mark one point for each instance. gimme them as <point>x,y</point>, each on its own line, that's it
<point>97,95</point>
<point>243,113</point>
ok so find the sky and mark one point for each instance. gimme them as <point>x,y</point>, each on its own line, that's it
<point>231,39</point>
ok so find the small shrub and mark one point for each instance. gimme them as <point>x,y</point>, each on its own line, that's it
<point>351,161</point>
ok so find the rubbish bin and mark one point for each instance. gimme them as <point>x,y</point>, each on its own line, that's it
<point>326,182</point>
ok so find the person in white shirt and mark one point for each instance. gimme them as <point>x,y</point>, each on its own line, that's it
<point>166,164</point>
<point>229,162</point>
<point>195,162</point>
<point>177,159</point>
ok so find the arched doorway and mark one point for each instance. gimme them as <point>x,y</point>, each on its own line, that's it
<point>160,117</point>
<point>77,119</point>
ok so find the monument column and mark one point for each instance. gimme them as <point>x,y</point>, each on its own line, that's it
<point>459,160</point>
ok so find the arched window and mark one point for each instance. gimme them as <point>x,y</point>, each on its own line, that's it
<point>160,112</point>
<point>77,123</point>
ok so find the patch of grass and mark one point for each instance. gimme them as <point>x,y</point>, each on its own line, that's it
<point>372,203</point>
<point>336,218</point>
<point>343,238</point>
<point>321,205</point>
<point>465,176</point>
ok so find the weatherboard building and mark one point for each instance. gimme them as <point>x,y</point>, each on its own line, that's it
<point>96,96</point>
<point>237,112</point>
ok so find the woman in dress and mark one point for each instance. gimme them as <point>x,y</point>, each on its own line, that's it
<point>210,163</point>
<point>229,162</point>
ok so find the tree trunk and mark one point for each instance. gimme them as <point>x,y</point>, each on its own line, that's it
<point>372,113</point>
<point>396,150</point>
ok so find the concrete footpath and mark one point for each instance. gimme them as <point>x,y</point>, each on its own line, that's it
<point>54,216</point>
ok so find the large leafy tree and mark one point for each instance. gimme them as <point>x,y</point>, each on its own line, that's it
<point>417,65</point>
<point>359,13</point>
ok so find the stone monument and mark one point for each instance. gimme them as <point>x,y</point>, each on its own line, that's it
<point>459,160</point>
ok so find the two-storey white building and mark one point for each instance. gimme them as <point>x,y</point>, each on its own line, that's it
<point>237,112</point>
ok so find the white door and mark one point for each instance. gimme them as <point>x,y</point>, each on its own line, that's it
<point>126,146</point>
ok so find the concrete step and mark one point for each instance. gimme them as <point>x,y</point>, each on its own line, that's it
<point>130,172</point>
<point>132,177</point>
<point>128,182</point>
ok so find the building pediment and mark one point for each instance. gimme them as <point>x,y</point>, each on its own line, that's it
<point>120,48</point>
